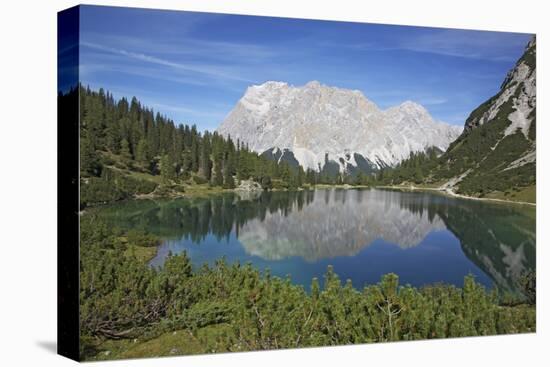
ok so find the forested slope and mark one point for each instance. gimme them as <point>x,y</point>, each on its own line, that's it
<point>497,150</point>
<point>496,153</point>
<point>127,149</point>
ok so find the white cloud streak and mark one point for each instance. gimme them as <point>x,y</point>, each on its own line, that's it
<point>207,70</point>
<point>479,45</point>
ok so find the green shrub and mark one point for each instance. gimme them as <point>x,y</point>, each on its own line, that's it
<point>134,186</point>
<point>280,185</point>
<point>139,237</point>
<point>122,297</point>
<point>95,190</point>
<point>199,180</point>
<point>112,186</point>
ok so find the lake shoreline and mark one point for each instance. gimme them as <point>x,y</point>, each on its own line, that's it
<point>450,193</point>
<point>201,192</point>
<point>301,232</point>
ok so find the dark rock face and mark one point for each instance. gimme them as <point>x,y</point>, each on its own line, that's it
<point>279,155</point>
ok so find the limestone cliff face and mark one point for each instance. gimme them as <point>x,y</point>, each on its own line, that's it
<point>314,120</point>
<point>519,87</point>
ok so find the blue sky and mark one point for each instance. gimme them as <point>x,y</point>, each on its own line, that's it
<point>194,67</point>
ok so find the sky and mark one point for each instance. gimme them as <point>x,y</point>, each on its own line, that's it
<point>194,67</point>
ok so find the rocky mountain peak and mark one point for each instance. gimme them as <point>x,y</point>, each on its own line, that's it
<point>313,84</point>
<point>412,106</point>
<point>518,90</point>
<point>499,138</point>
<point>314,120</point>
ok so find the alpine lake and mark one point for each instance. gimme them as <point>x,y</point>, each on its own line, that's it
<point>423,237</point>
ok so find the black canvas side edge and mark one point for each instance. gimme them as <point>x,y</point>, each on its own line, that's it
<point>68,237</point>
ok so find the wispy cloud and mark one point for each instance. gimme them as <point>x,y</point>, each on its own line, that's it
<point>460,43</point>
<point>465,44</point>
<point>165,58</point>
<point>432,101</point>
<point>209,113</point>
<point>87,71</point>
<point>209,70</point>
<point>184,45</point>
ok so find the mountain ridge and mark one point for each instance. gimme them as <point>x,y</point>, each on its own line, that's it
<point>320,123</point>
<point>497,149</point>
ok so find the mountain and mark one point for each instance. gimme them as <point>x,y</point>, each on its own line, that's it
<point>317,126</point>
<point>310,232</point>
<point>499,240</point>
<point>497,150</point>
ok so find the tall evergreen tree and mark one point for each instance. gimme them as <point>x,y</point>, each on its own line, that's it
<point>167,170</point>
<point>142,152</point>
<point>217,175</point>
<point>89,159</point>
<point>205,164</point>
<point>228,181</point>
<point>113,136</point>
<point>125,152</point>
<point>194,154</point>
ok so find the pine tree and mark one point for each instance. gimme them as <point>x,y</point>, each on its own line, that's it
<point>113,137</point>
<point>360,179</point>
<point>419,176</point>
<point>194,154</point>
<point>217,177</point>
<point>89,159</point>
<point>142,152</point>
<point>300,176</point>
<point>228,181</point>
<point>205,166</point>
<point>153,137</point>
<point>243,169</point>
<point>167,170</point>
<point>286,174</point>
<point>125,152</point>
<point>310,177</point>
<point>186,165</point>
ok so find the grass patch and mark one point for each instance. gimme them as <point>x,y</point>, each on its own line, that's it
<point>525,194</point>
<point>203,190</point>
<point>142,254</point>
<point>146,176</point>
<point>179,342</point>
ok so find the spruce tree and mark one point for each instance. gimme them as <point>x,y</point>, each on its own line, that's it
<point>217,177</point>
<point>194,154</point>
<point>205,166</point>
<point>419,176</point>
<point>167,171</point>
<point>142,152</point>
<point>89,159</point>
<point>125,154</point>
<point>113,137</point>
<point>186,165</point>
<point>228,181</point>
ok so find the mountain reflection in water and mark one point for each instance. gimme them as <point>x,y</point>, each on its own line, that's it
<point>423,237</point>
